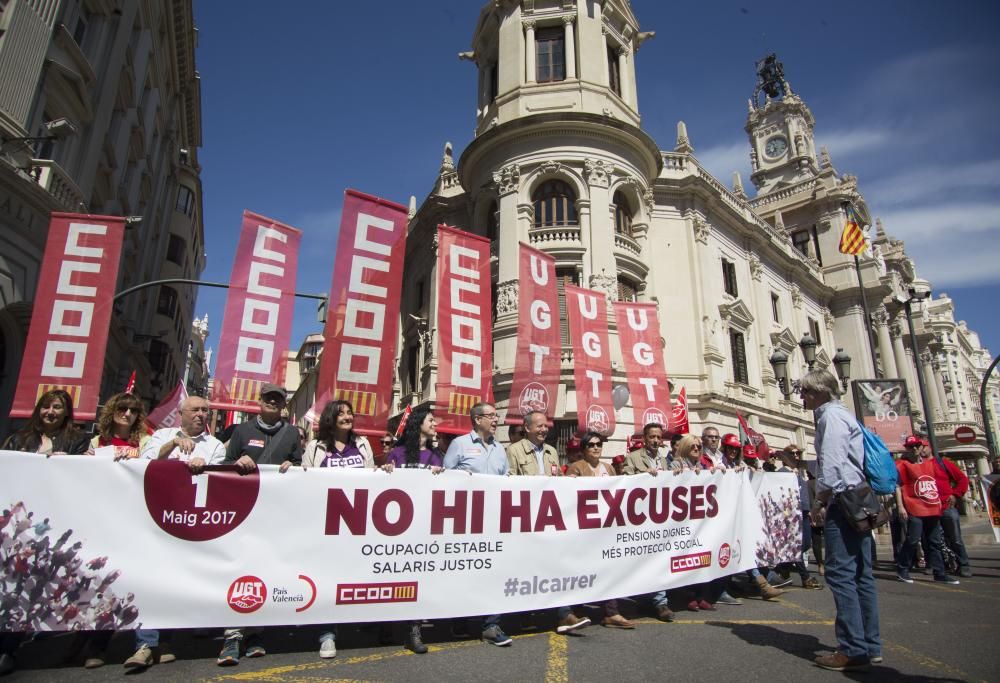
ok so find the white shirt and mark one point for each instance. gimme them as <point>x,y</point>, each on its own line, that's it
<point>206,446</point>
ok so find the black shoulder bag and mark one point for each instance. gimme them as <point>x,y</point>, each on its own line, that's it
<point>862,508</point>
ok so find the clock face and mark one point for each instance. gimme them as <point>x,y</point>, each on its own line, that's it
<point>776,146</point>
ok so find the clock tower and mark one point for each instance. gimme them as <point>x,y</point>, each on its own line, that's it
<point>780,126</point>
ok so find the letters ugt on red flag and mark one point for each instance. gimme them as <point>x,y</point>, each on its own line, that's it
<point>68,335</point>
<point>588,327</point>
<point>642,353</point>
<point>363,319</point>
<point>536,366</point>
<point>257,324</point>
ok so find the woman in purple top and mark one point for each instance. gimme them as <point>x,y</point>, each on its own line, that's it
<point>336,444</point>
<point>416,448</point>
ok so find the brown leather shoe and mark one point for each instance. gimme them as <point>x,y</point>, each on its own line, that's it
<point>617,621</point>
<point>767,591</point>
<point>812,584</point>
<point>664,613</point>
<point>841,662</point>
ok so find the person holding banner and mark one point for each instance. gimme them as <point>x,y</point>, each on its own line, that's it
<point>121,428</point>
<point>50,429</point>
<point>479,452</point>
<point>839,445</point>
<point>531,456</point>
<point>647,458</point>
<point>191,442</point>
<point>336,445</point>
<point>591,466</point>
<point>416,450</point>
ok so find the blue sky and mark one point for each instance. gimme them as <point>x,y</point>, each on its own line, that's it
<point>302,100</point>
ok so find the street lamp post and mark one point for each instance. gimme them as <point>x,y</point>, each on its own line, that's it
<point>842,362</point>
<point>917,295</point>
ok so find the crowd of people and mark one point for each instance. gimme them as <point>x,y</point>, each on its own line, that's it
<point>77,596</point>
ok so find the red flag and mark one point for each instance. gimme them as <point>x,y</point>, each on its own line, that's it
<point>68,335</point>
<point>363,320</point>
<point>130,387</point>
<point>642,353</point>
<point>168,413</point>
<point>465,334</point>
<point>588,326</point>
<point>402,421</point>
<point>536,366</point>
<point>257,325</point>
<point>679,416</point>
<point>753,438</point>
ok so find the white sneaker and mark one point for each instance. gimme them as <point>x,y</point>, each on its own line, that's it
<point>327,648</point>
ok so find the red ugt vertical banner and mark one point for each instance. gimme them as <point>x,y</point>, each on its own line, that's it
<point>465,329</point>
<point>642,353</point>
<point>69,320</point>
<point>588,326</point>
<point>536,366</point>
<point>362,322</point>
<point>257,324</point>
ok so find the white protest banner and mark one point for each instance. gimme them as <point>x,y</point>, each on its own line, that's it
<point>157,547</point>
<point>777,496</point>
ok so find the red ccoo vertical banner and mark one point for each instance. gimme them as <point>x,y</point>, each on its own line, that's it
<point>71,314</point>
<point>536,366</point>
<point>588,326</point>
<point>642,353</point>
<point>465,328</point>
<point>257,324</point>
<point>363,316</point>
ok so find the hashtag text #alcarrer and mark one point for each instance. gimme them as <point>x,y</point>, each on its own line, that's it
<point>533,586</point>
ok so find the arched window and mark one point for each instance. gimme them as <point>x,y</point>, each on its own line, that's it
<point>555,204</point>
<point>623,215</point>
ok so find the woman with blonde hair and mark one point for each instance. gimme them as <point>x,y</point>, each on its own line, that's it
<point>122,426</point>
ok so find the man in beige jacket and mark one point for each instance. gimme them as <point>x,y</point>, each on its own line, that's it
<point>531,455</point>
<point>647,458</point>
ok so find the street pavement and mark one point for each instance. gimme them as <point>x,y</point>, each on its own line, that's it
<point>931,632</point>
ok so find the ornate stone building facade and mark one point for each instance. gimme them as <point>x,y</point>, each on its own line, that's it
<point>559,161</point>
<point>100,113</point>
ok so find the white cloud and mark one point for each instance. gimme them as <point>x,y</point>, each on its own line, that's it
<point>847,143</point>
<point>923,184</point>
<point>942,222</point>
<point>722,160</point>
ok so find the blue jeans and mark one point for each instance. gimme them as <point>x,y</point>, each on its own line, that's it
<point>928,529</point>
<point>953,536</point>
<point>849,576</point>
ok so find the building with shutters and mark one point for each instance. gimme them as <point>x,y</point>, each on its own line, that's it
<point>100,113</point>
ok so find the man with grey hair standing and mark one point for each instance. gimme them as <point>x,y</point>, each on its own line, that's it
<point>840,457</point>
<point>479,452</point>
<point>531,456</point>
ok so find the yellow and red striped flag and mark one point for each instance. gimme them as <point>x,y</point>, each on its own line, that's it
<point>852,241</point>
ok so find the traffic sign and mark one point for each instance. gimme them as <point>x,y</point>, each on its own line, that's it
<point>965,434</point>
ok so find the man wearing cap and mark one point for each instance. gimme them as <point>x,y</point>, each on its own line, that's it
<point>264,439</point>
<point>647,459</point>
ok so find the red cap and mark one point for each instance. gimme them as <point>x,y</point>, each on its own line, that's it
<point>731,440</point>
<point>749,451</point>
<point>617,459</point>
<point>912,442</point>
<point>925,442</point>
<point>573,443</point>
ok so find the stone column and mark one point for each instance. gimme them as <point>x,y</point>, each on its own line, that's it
<point>529,51</point>
<point>903,369</point>
<point>507,180</point>
<point>881,321</point>
<point>930,384</point>
<point>603,267</point>
<point>626,87</point>
<point>916,400</point>
<point>939,369</point>
<point>570,42</point>
<point>583,214</point>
